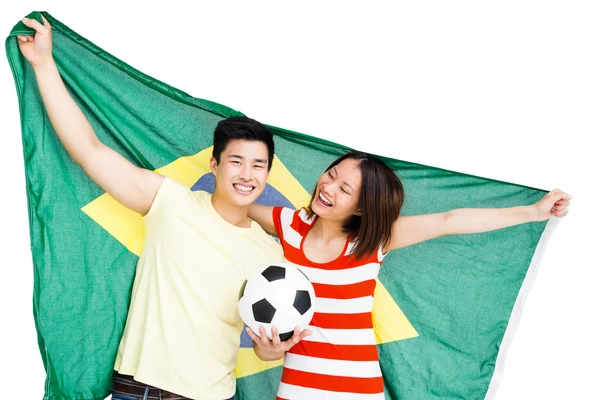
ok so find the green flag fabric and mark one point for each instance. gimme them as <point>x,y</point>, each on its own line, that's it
<point>445,310</point>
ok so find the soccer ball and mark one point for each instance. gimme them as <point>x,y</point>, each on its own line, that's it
<point>278,295</point>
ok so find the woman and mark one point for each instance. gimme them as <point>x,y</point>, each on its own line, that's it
<point>339,242</point>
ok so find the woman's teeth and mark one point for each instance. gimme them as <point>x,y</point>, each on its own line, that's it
<point>324,200</point>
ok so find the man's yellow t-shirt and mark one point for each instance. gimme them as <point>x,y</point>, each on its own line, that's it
<point>183,328</point>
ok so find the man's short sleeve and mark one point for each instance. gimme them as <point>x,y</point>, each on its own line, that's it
<point>170,197</point>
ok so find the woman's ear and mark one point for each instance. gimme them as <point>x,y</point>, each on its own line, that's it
<point>358,212</point>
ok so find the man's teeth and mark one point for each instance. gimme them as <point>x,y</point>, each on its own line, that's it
<point>324,200</point>
<point>243,188</point>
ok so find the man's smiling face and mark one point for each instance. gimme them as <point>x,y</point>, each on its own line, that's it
<point>242,172</point>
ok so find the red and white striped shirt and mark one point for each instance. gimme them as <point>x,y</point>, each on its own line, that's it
<point>339,360</point>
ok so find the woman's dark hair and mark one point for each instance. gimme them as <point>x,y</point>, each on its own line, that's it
<point>380,199</point>
<point>244,128</point>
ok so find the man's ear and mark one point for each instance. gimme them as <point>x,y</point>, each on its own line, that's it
<point>213,165</point>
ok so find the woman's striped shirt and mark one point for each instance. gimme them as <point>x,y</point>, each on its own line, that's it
<point>339,360</point>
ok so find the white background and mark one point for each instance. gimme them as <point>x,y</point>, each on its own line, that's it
<point>506,90</point>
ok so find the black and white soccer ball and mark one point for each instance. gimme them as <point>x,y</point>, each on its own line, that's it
<point>278,295</point>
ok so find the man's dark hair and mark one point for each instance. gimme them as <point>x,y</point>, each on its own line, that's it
<point>243,128</point>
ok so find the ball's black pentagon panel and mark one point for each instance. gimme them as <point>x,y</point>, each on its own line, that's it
<point>285,336</point>
<point>263,311</point>
<point>302,301</point>
<point>274,273</point>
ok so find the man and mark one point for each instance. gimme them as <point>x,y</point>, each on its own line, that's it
<point>182,331</point>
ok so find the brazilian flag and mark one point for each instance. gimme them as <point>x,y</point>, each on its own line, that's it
<point>445,310</point>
